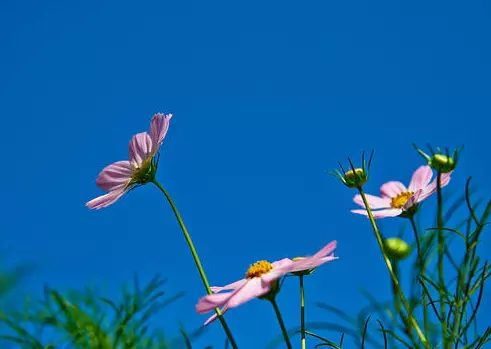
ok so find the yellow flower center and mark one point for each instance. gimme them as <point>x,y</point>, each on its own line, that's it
<point>400,200</point>
<point>259,268</point>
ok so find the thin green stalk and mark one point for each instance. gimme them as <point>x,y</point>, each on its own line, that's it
<point>461,276</point>
<point>282,324</point>
<point>405,320</point>
<point>397,304</point>
<point>411,318</point>
<point>197,262</point>
<point>461,306</point>
<point>441,245</point>
<point>302,313</point>
<point>422,267</point>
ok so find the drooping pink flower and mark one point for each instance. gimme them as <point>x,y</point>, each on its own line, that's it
<point>259,280</point>
<point>120,176</point>
<point>395,198</point>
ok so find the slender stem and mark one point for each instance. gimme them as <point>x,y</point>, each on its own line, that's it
<point>197,262</point>
<point>391,272</point>
<point>282,324</point>
<point>422,267</point>
<point>461,288</point>
<point>302,313</point>
<point>405,320</point>
<point>397,304</point>
<point>456,322</point>
<point>441,245</point>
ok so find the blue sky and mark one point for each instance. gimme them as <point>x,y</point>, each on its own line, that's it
<point>265,97</point>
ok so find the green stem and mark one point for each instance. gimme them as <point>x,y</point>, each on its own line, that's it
<point>405,320</point>
<point>462,290</point>
<point>197,262</point>
<point>302,313</point>
<point>456,322</point>
<point>441,245</point>
<point>391,272</point>
<point>282,324</point>
<point>422,267</point>
<point>397,304</point>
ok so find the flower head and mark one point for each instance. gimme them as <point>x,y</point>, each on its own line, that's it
<point>260,279</point>
<point>122,176</point>
<point>395,199</point>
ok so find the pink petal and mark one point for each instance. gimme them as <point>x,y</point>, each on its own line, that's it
<point>231,286</point>
<point>412,200</point>
<point>115,176</point>
<point>306,263</point>
<point>363,212</point>
<point>282,263</point>
<point>326,249</point>
<point>282,267</point>
<point>431,188</point>
<point>421,178</point>
<point>317,259</point>
<point>329,258</point>
<point>254,288</point>
<point>286,265</point>
<point>311,262</point>
<point>373,201</point>
<point>392,189</point>
<point>105,200</point>
<point>212,301</point>
<point>140,149</point>
<point>213,318</point>
<point>158,129</point>
<point>391,212</point>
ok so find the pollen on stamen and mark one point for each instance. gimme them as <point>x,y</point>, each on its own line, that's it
<point>259,268</point>
<point>401,199</point>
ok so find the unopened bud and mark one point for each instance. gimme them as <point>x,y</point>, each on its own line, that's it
<point>442,163</point>
<point>397,248</point>
<point>356,178</point>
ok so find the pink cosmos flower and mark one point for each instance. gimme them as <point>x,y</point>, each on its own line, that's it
<point>395,198</point>
<point>120,176</point>
<point>259,280</point>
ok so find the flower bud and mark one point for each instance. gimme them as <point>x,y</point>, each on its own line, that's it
<point>442,163</point>
<point>356,176</point>
<point>397,248</point>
